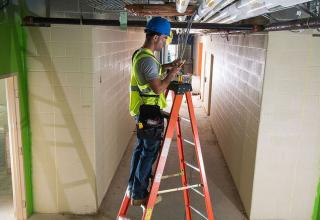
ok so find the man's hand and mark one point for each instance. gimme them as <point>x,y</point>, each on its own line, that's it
<point>159,86</point>
<point>175,63</point>
<point>174,71</point>
<point>178,63</point>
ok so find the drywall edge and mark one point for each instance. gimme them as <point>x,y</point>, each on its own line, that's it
<point>316,208</point>
<point>14,36</point>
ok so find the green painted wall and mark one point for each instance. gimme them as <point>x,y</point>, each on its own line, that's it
<point>13,60</point>
<point>316,210</point>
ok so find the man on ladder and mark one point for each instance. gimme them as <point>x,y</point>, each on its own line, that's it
<point>146,100</point>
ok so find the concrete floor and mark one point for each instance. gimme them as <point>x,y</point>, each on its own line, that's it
<point>224,196</point>
<point>6,207</point>
<point>6,202</point>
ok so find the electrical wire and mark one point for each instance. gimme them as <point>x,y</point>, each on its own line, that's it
<point>185,32</point>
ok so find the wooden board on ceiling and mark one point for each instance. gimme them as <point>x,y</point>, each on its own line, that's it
<point>164,10</point>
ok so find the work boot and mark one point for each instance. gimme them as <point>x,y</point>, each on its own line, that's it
<point>143,202</point>
<point>139,202</point>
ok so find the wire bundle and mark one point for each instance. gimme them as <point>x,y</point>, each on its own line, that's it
<point>183,37</point>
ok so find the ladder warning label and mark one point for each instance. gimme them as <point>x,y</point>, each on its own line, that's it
<point>148,214</point>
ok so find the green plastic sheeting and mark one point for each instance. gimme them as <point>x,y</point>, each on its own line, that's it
<point>13,61</point>
<point>316,210</point>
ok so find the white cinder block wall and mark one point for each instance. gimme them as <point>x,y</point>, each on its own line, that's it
<point>236,96</point>
<point>60,76</point>
<point>270,137</point>
<point>113,50</point>
<point>80,124</point>
<point>288,151</point>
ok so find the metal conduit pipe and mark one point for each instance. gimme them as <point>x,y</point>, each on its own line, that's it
<point>182,5</point>
<point>41,21</point>
<point>204,8</point>
<point>244,9</point>
<point>308,23</point>
<point>217,8</point>
<point>209,7</point>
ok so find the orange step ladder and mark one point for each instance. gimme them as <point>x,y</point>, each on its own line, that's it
<point>179,90</point>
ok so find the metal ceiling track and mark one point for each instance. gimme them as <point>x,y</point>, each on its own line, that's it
<point>308,23</point>
<point>43,21</point>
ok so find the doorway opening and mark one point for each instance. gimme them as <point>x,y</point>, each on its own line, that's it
<point>12,187</point>
<point>206,82</point>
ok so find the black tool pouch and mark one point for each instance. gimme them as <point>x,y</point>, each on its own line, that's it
<point>150,123</point>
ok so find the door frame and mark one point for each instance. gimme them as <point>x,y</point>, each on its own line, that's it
<point>210,83</point>
<point>200,47</point>
<point>16,147</point>
<point>203,76</point>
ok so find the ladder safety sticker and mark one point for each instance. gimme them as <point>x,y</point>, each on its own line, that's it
<point>148,214</point>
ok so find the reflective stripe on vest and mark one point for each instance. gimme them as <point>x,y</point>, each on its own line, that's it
<point>144,91</point>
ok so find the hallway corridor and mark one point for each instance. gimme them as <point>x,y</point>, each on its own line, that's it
<point>224,196</point>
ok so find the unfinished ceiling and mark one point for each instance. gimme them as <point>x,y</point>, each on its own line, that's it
<point>164,10</point>
<point>254,12</point>
<point>105,9</point>
<point>214,11</point>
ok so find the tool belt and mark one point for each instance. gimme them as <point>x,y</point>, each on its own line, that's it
<point>150,122</point>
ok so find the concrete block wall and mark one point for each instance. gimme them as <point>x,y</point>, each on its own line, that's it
<point>288,153</point>
<point>60,76</point>
<point>238,72</point>
<point>113,51</point>
<point>78,94</point>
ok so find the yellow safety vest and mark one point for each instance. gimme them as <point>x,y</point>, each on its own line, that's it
<point>142,93</point>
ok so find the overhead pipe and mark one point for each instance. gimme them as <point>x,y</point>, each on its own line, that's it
<point>209,7</point>
<point>244,9</point>
<point>307,23</point>
<point>217,8</point>
<point>43,21</point>
<point>182,5</point>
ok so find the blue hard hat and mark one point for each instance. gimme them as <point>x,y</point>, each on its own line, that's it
<point>159,25</point>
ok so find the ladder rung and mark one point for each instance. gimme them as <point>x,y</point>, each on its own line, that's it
<point>197,191</point>
<point>172,175</point>
<point>179,189</point>
<point>198,212</point>
<point>191,166</point>
<point>185,119</point>
<point>189,142</point>
<point>123,218</point>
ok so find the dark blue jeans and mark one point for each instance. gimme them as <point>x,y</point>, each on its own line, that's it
<point>142,160</point>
